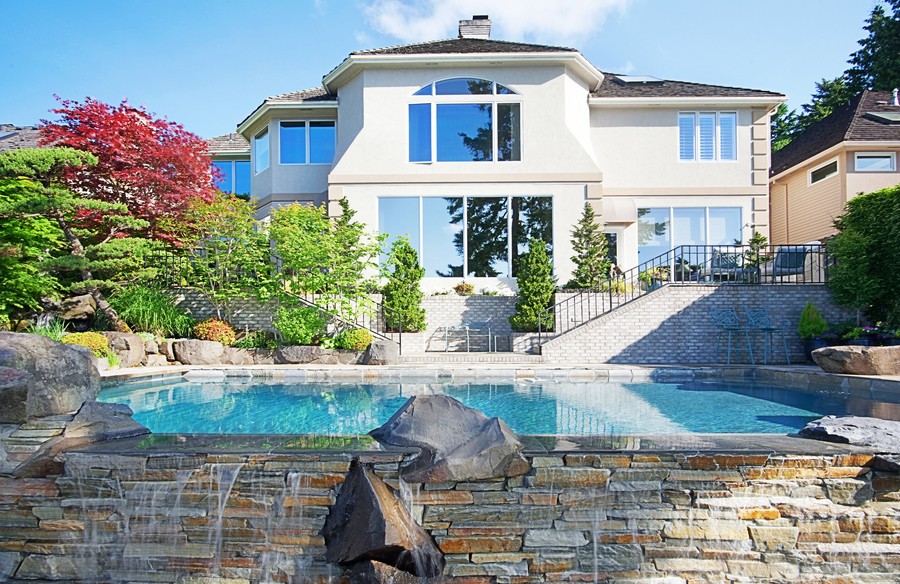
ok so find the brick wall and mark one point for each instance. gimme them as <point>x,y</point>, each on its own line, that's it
<point>622,516</point>
<point>673,326</point>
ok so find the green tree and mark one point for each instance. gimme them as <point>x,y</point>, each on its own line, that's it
<point>534,276</point>
<point>334,258</point>
<point>403,292</point>
<point>36,173</point>
<point>231,257</point>
<point>784,127</point>
<point>866,274</point>
<point>830,95</point>
<point>591,253</point>
<point>876,65</point>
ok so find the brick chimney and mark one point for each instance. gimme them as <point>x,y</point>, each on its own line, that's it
<point>477,28</point>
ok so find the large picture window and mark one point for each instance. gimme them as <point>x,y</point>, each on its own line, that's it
<point>468,236</point>
<point>662,229</point>
<point>465,120</point>
<point>306,142</point>
<point>234,177</point>
<point>707,136</point>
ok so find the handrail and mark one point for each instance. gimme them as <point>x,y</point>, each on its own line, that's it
<point>691,265</point>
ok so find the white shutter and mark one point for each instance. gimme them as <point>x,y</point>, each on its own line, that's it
<point>707,136</point>
<point>686,136</point>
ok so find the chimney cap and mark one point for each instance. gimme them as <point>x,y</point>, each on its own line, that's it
<point>479,27</point>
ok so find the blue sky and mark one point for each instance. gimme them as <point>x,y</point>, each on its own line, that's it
<point>207,64</point>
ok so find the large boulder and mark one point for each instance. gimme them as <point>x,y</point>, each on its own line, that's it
<point>298,354</point>
<point>458,443</point>
<point>883,435</point>
<point>129,347</point>
<point>94,422</point>
<point>369,522</point>
<point>13,395</point>
<point>62,376</point>
<point>197,352</point>
<point>859,360</point>
<point>77,308</point>
<point>382,352</point>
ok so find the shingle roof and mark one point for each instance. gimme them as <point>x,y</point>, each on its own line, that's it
<point>15,137</point>
<point>849,122</point>
<point>233,142</point>
<point>464,46</point>
<point>312,94</point>
<point>612,86</point>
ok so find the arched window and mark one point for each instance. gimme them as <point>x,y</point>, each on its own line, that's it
<point>465,119</point>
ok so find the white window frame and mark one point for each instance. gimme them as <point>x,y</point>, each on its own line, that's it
<point>837,171</point>
<point>717,138</point>
<point>492,98</point>
<point>891,155</point>
<point>256,139</point>
<point>308,151</point>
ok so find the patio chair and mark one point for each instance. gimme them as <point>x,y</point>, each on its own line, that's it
<point>726,265</point>
<point>759,319</point>
<point>729,325</point>
<point>469,331</point>
<point>790,260</point>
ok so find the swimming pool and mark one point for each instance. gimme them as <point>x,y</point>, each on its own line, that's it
<point>241,406</point>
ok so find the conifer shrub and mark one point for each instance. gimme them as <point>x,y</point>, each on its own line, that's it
<point>812,324</point>
<point>403,293</point>
<point>534,275</point>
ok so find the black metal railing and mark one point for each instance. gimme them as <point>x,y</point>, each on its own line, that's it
<point>691,265</point>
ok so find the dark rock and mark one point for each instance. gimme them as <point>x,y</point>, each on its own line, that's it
<point>9,561</point>
<point>62,376</point>
<point>197,352</point>
<point>382,352</point>
<point>889,463</point>
<point>857,430</point>
<point>859,360</point>
<point>297,354</point>
<point>369,522</point>
<point>459,443</point>
<point>372,572</point>
<point>13,395</point>
<point>77,308</point>
<point>128,346</point>
<point>94,422</point>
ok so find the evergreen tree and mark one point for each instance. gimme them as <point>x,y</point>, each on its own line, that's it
<point>876,65</point>
<point>403,293</point>
<point>534,275</point>
<point>589,243</point>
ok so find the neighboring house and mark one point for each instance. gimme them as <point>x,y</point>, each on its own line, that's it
<point>15,137</point>
<point>852,151</point>
<point>471,146</point>
<point>231,156</point>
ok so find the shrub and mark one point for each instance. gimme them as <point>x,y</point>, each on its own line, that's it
<point>464,289</point>
<point>353,339</point>
<point>213,329</point>
<point>302,325</point>
<point>534,275</point>
<point>256,340</point>
<point>151,310</point>
<point>403,292</point>
<point>591,249</point>
<point>97,343</point>
<point>147,337</point>
<point>812,324</point>
<point>54,329</point>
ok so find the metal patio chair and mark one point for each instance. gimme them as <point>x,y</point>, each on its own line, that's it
<point>728,325</point>
<point>759,319</point>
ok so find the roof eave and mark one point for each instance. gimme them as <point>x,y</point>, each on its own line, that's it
<point>349,66</point>
<point>212,152</point>
<point>266,107</point>
<point>770,101</point>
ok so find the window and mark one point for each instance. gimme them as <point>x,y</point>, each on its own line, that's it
<point>465,120</point>
<point>662,229</point>
<point>471,236</point>
<point>235,176</point>
<point>823,172</point>
<point>875,162</point>
<point>309,142</point>
<point>261,151</point>
<point>707,136</point>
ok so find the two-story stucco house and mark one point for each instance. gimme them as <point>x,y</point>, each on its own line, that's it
<point>472,146</point>
<point>850,152</point>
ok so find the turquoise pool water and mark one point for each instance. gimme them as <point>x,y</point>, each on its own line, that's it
<point>176,405</point>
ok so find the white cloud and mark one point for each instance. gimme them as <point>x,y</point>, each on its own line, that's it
<point>559,22</point>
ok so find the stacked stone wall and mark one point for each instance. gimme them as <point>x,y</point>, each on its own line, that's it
<point>673,325</point>
<point>621,517</point>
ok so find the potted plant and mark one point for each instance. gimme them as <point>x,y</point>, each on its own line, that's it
<point>812,328</point>
<point>652,278</point>
<point>860,335</point>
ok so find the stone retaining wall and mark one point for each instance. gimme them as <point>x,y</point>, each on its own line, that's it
<point>622,517</point>
<point>673,325</point>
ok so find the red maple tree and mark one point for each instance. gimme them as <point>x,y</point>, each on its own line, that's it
<point>153,166</point>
